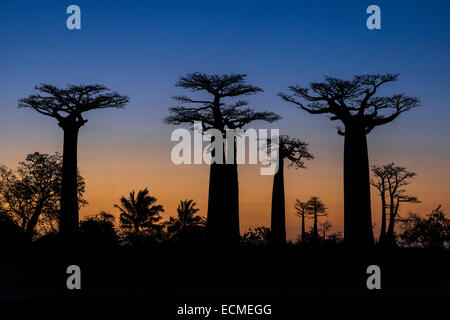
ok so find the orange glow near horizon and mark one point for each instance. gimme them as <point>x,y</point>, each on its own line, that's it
<point>109,175</point>
<point>114,167</point>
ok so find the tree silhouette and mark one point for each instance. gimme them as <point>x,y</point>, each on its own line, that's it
<point>389,180</point>
<point>259,236</point>
<point>32,195</point>
<point>430,231</point>
<point>67,106</point>
<point>302,211</point>
<point>316,209</point>
<point>325,227</point>
<point>214,112</point>
<point>139,214</point>
<point>98,232</point>
<point>354,103</point>
<point>187,220</point>
<point>295,151</point>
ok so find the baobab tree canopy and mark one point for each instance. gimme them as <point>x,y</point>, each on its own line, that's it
<point>71,102</point>
<point>353,102</point>
<point>295,150</point>
<point>215,113</point>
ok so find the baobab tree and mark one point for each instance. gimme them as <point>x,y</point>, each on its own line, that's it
<point>316,209</point>
<point>67,106</point>
<point>295,152</point>
<point>215,113</point>
<point>355,104</point>
<point>390,180</point>
<point>302,211</point>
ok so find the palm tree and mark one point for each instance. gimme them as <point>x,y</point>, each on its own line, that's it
<point>186,219</point>
<point>139,214</point>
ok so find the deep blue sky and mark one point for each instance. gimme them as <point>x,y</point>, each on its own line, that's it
<point>140,48</point>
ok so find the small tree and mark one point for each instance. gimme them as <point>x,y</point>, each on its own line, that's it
<point>431,231</point>
<point>139,214</point>
<point>302,211</point>
<point>67,106</point>
<point>98,231</point>
<point>390,180</point>
<point>356,105</point>
<point>324,228</point>
<point>32,194</point>
<point>295,151</point>
<point>187,220</point>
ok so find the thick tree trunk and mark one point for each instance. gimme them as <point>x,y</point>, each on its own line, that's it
<point>217,222</point>
<point>278,223</point>
<point>233,201</point>
<point>68,223</point>
<point>357,211</point>
<point>232,183</point>
<point>223,204</point>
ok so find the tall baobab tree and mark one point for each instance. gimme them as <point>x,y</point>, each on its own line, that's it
<point>302,211</point>
<point>295,151</point>
<point>390,180</point>
<point>356,105</point>
<point>67,106</point>
<point>214,112</point>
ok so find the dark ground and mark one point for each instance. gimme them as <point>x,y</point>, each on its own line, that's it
<point>247,274</point>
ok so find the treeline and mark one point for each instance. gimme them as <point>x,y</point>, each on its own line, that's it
<point>30,199</point>
<point>217,101</point>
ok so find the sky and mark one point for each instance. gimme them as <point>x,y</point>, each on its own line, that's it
<point>140,48</point>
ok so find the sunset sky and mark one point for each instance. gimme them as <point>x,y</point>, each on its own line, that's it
<point>140,48</point>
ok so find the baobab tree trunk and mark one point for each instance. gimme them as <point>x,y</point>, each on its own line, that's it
<point>217,219</point>
<point>278,223</point>
<point>233,201</point>
<point>68,223</point>
<point>357,211</point>
<point>315,231</point>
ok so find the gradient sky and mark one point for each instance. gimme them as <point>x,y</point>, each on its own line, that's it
<point>140,48</point>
